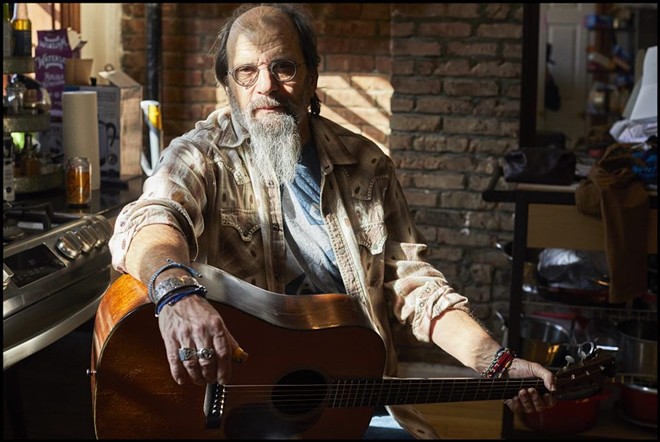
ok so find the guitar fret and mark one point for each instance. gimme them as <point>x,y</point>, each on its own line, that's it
<point>341,397</point>
<point>334,398</point>
<point>371,397</point>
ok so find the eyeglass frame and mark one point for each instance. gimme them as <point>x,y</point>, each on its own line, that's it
<point>270,69</point>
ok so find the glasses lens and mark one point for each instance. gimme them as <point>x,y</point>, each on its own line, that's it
<point>245,75</point>
<point>283,70</point>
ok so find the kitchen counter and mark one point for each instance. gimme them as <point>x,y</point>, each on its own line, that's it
<point>107,201</point>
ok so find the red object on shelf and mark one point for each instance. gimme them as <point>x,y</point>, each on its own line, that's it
<point>569,416</point>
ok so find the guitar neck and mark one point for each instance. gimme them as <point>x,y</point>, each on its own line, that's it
<point>364,393</point>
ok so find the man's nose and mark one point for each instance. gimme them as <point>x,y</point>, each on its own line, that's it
<point>266,83</point>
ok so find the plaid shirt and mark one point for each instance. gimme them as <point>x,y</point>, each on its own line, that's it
<point>202,187</point>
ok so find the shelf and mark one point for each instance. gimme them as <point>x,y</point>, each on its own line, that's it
<point>17,65</point>
<point>39,183</point>
<point>596,312</point>
<point>26,123</point>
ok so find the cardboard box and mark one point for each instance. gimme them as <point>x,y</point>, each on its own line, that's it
<point>120,125</point>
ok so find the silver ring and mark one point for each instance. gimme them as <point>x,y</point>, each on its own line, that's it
<point>186,353</point>
<point>205,353</point>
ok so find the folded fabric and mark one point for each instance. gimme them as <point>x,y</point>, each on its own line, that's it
<point>613,193</point>
<point>540,165</point>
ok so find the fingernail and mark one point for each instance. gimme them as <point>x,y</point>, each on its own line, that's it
<point>239,355</point>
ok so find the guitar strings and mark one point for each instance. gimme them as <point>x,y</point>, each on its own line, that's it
<point>390,391</point>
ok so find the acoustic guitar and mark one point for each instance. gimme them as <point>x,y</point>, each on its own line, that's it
<point>315,369</point>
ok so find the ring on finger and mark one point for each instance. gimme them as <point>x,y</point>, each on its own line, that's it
<point>187,353</point>
<point>205,353</point>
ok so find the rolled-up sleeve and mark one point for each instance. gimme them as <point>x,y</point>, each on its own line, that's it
<point>421,292</point>
<point>175,195</point>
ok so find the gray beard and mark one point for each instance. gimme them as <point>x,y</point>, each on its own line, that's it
<point>274,143</point>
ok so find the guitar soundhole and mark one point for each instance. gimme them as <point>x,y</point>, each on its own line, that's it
<point>299,392</point>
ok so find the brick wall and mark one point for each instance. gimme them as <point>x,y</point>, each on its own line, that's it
<point>436,85</point>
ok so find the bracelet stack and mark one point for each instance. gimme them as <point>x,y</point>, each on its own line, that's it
<point>500,364</point>
<point>173,290</point>
<point>177,295</point>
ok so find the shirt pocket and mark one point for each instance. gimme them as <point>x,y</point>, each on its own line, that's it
<point>368,224</point>
<point>372,237</point>
<point>244,222</point>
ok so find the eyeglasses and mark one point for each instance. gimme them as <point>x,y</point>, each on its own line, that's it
<point>282,70</point>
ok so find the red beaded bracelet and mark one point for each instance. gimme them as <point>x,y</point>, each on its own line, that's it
<point>501,363</point>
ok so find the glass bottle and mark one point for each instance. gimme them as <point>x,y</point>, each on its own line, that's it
<point>7,40</point>
<point>22,31</point>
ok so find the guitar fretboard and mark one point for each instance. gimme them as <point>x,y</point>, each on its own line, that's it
<point>365,393</point>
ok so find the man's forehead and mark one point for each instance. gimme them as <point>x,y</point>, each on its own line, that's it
<point>259,24</point>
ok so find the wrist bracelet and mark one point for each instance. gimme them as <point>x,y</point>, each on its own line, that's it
<point>500,364</point>
<point>170,265</point>
<point>177,295</point>
<point>170,284</point>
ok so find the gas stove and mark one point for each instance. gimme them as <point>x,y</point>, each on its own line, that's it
<point>56,267</point>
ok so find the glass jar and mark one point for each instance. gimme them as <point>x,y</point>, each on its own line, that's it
<point>78,182</point>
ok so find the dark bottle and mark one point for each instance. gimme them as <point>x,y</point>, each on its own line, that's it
<point>21,26</point>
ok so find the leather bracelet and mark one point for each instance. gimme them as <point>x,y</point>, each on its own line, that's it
<point>170,284</point>
<point>170,265</point>
<point>177,295</point>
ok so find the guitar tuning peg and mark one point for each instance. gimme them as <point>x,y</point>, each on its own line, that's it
<point>569,360</point>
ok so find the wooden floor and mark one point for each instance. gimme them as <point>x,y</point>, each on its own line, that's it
<point>466,420</point>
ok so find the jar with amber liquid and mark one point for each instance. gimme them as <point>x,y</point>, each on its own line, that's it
<point>78,182</point>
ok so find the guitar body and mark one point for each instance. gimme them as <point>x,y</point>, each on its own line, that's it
<point>315,370</point>
<point>290,340</point>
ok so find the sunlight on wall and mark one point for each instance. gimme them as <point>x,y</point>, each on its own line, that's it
<point>359,102</point>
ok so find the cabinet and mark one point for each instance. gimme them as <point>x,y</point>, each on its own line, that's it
<point>546,217</point>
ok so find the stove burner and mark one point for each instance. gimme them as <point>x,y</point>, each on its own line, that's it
<point>11,231</point>
<point>42,213</point>
<point>23,219</point>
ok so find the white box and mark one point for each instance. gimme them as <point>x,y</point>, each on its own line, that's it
<point>120,125</point>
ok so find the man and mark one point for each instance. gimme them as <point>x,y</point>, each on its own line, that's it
<point>282,198</point>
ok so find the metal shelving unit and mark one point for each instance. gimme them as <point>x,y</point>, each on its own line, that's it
<point>533,229</point>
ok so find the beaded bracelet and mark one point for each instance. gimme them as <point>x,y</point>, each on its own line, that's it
<point>500,364</point>
<point>177,295</point>
<point>170,265</point>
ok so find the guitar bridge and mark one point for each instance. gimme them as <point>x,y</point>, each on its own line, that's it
<point>213,406</point>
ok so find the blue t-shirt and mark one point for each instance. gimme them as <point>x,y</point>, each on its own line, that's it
<point>311,262</point>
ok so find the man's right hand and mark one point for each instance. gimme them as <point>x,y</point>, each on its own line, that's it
<point>194,323</point>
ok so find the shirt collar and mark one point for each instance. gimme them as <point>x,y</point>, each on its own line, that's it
<point>331,149</point>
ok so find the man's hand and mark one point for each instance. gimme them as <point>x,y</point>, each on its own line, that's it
<point>194,323</point>
<point>530,400</point>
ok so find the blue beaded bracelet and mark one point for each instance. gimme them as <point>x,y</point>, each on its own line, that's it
<point>170,265</point>
<point>177,295</point>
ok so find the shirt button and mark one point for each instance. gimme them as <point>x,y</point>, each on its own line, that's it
<point>276,227</point>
